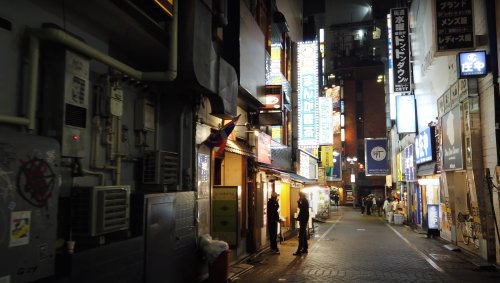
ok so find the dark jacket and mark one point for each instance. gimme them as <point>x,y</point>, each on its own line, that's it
<point>272,210</point>
<point>303,216</point>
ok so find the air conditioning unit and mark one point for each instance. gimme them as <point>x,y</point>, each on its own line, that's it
<point>160,171</point>
<point>100,210</point>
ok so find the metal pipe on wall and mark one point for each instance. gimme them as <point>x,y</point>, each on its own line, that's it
<point>59,36</point>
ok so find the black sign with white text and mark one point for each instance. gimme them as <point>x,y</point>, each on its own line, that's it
<point>454,25</point>
<point>400,50</point>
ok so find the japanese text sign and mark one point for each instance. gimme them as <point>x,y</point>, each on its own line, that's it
<point>400,50</point>
<point>454,25</point>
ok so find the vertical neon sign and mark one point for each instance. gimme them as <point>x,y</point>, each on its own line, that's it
<point>308,94</point>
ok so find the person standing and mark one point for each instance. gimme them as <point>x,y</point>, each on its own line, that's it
<point>273,218</point>
<point>380,204</point>
<point>363,205</point>
<point>303,218</point>
<point>336,200</point>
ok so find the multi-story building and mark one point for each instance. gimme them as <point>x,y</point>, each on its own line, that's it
<point>445,157</point>
<point>105,111</point>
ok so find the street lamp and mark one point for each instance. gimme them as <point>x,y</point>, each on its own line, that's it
<point>352,161</point>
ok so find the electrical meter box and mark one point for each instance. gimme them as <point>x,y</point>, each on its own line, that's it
<point>65,99</point>
<point>29,193</point>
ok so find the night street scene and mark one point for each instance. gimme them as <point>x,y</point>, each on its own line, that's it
<point>249,141</point>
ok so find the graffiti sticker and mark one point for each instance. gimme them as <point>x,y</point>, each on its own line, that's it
<point>20,228</point>
<point>36,181</point>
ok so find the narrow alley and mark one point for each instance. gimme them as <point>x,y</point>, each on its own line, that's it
<point>353,247</point>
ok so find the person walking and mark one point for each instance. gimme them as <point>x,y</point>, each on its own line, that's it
<point>273,218</point>
<point>303,218</point>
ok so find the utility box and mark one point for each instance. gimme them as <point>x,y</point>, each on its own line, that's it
<point>160,171</point>
<point>65,99</point>
<point>100,210</point>
<point>29,191</point>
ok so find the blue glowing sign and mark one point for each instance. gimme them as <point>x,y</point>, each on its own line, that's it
<point>425,145</point>
<point>472,64</point>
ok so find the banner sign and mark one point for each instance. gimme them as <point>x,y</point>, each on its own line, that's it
<point>325,121</point>
<point>400,50</point>
<point>334,173</point>
<point>225,214</point>
<point>425,146</point>
<point>433,216</point>
<point>376,157</point>
<point>264,148</point>
<point>409,163</point>
<point>308,94</point>
<point>454,25</point>
<point>452,140</point>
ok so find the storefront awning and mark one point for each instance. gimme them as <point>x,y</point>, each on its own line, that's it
<point>426,169</point>
<point>295,177</point>
<point>239,148</point>
<point>303,180</point>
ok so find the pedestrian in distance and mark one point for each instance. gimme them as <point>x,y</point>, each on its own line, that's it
<point>363,202</point>
<point>273,218</point>
<point>374,205</point>
<point>336,199</point>
<point>380,204</point>
<point>303,218</point>
<point>368,204</point>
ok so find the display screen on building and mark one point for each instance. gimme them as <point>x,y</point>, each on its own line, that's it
<point>307,63</point>
<point>425,146</point>
<point>472,64</point>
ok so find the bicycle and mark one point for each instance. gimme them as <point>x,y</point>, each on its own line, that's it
<point>469,229</point>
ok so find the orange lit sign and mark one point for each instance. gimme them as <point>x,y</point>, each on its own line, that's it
<point>167,6</point>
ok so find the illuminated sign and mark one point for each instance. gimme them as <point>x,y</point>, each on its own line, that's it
<point>376,157</point>
<point>433,216</point>
<point>304,164</point>
<point>264,148</point>
<point>425,146</point>
<point>400,50</point>
<point>167,6</point>
<point>275,65</point>
<point>405,114</point>
<point>325,121</point>
<point>408,163</point>
<point>273,97</point>
<point>307,63</point>
<point>472,64</point>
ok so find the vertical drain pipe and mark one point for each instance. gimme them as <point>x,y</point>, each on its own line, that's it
<point>34,59</point>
